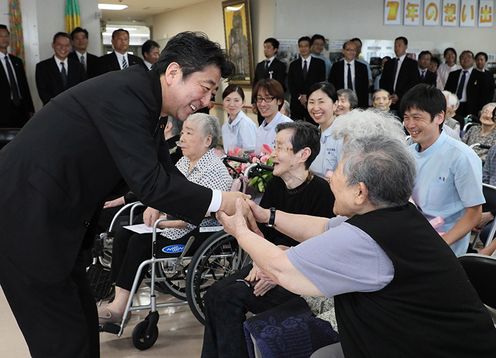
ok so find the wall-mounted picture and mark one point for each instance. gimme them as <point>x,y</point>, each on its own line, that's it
<point>237,28</point>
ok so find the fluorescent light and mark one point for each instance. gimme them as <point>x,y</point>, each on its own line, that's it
<point>112,6</point>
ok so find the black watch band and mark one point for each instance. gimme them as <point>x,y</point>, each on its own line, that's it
<point>272,217</point>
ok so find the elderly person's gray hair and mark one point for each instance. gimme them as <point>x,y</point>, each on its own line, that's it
<point>451,100</point>
<point>286,108</point>
<point>384,165</point>
<point>350,96</point>
<point>209,126</point>
<point>361,123</point>
<point>490,104</point>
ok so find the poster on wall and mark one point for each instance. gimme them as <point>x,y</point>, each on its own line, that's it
<point>468,13</point>
<point>450,12</point>
<point>432,12</point>
<point>486,10</point>
<point>393,12</point>
<point>412,13</point>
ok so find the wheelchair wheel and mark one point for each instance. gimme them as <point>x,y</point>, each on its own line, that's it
<point>218,257</point>
<point>171,281</point>
<point>145,333</point>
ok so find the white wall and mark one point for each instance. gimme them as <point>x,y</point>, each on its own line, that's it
<point>337,19</point>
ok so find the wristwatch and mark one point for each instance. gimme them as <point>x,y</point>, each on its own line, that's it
<point>272,217</point>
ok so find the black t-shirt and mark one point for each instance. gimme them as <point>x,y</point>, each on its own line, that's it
<point>313,197</point>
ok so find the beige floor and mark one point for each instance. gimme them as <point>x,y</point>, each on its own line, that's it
<point>180,335</point>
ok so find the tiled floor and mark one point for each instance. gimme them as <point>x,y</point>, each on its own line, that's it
<point>180,335</point>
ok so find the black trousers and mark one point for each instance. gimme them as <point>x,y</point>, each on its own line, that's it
<point>226,305</point>
<point>57,320</point>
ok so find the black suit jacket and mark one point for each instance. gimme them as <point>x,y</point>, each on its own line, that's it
<point>15,116</point>
<point>61,166</point>
<point>109,62</point>
<point>91,63</point>
<point>361,85</point>
<point>478,93</point>
<point>407,77</point>
<point>430,78</point>
<point>278,69</point>
<point>49,80</point>
<point>299,86</point>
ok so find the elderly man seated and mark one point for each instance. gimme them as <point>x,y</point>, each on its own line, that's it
<point>200,134</point>
<point>399,290</point>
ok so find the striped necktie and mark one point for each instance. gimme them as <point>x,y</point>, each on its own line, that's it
<point>124,62</point>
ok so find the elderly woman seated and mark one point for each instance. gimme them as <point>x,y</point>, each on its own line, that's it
<point>293,189</point>
<point>200,134</point>
<point>347,100</point>
<point>398,289</point>
<point>485,133</point>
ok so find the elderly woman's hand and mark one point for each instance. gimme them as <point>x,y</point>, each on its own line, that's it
<point>150,215</point>
<point>260,214</point>
<point>235,224</point>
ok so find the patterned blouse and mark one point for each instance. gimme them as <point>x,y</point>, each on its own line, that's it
<point>474,135</point>
<point>209,172</point>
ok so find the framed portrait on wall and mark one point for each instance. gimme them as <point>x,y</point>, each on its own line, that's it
<point>237,29</point>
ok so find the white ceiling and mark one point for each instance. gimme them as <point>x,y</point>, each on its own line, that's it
<point>139,10</point>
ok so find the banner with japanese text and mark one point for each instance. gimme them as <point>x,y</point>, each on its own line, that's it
<point>393,12</point>
<point>486,13</point>
<point>450,13</point>
<point>432,12</point>
<point>468,13</point>
<point>412,13</point>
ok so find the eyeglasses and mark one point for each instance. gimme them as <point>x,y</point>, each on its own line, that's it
<point>265,99</point>
<point>280,148</point>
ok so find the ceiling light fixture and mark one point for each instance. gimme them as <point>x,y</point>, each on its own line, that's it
<point>112,6</point>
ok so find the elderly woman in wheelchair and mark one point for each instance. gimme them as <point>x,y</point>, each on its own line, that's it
<point>294,189</point>
<point>200,134</point>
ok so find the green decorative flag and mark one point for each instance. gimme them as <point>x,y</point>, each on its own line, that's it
<point>15,24</point>
<point>72,15</point>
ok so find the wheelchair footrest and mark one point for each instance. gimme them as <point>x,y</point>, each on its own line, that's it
<point>110,328</point>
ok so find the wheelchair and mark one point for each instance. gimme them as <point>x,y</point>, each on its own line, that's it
<point>209,255</point>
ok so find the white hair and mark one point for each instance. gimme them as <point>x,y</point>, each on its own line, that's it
<point>360,123</point>
<point>451,100</point>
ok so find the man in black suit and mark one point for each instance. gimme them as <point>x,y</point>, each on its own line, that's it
<point>351,74</point>
<point>480,65</point>
<point>59,72</point>
<point>151,53</point>
<point>303,73</point>
<point>15,98</point>
<point>271,67</point>
<point>470,86</point>
<point>400,74</point>
<point>79,37</point>
<point>426,76</point>
<point>119,59</point>
<point>59,169</point>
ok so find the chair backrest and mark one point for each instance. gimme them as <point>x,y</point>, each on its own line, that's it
<point>489,192</point>
<point>481,271</point>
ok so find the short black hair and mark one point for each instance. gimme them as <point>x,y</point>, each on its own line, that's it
<point>317,37</point>
<point>193,51</point>
<point>119,30</point>
<point>273,41</point>
<point>357,40</point>
<point>148,45</point>
<point>77,30</point>
<point>445,52</point>
<point>424,53</point>
<point>4,27</point>
<point>482,54</point>
<point>233,88</point>
<point>304,135</point>
<point>326,87</point>
<point>402,38</point>
<point>273,87</point>
<point>436,60</point>
<point>60,34</point>
<point>425,98</point>
<point>304,38</point>
<point>467,51</point>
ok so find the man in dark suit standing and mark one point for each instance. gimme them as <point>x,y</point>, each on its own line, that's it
<point>351,74</point>
<point>59,72</point>
<point>79,37</point>
<point>400,74</point>
<point>426,76</point>
<point>58,171</point>
<point>470,86</point>
<point>303,72</point>
<point>15,98</point>
<point>271,67</point>
<point>119,59</point>
<point>480,65</point>
<point>151,53</point>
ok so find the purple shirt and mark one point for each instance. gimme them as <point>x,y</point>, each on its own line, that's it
<point>343,259</point>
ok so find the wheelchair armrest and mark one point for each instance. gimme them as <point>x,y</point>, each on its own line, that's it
<point>119,213</point>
